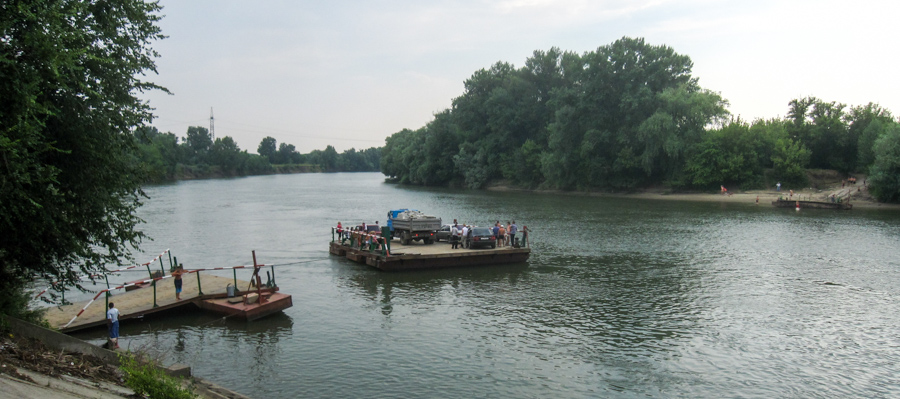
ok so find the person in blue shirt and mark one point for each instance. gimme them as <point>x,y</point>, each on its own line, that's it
<point>112,320</point>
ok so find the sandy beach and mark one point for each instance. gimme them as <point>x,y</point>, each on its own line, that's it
<point>859,195</point>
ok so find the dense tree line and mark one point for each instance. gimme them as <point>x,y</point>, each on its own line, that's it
<point>168,157</point>
<point>631,115</point>
<point>329,159</point>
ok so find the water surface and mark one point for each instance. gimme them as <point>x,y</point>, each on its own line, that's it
<point>621,297</point>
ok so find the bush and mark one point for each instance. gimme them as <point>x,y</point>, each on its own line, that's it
<point>147,378</point>
<point>884,174</point>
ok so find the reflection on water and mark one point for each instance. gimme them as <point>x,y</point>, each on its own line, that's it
<point>620,297</point>
<point>425,286</point>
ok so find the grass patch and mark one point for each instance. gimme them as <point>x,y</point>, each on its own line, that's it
<point>146,378</point>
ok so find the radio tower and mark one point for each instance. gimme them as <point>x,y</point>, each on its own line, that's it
<point>212,127</point>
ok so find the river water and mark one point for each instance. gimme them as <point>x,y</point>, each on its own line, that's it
<point>621,297</point>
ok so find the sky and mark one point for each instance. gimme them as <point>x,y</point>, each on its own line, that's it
<point>351,73</point>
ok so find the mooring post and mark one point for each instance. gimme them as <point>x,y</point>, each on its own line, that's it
<point>235,277</point>
<point>199,288</point>
<point>154,295</point>
<point>170,261</point>
<point>149,273</point>
<point>256,267</point>
<point>332,234</point>
<point>161,267</point>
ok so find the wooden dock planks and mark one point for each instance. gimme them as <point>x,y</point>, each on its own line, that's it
<point>139,302</point>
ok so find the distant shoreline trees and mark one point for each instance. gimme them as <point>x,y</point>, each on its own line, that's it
<point>630,115</point>
<point>166,157</point>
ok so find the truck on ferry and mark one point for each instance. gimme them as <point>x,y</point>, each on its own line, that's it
<point>411,225</point>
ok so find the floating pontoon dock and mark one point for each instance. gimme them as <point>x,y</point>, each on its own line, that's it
<point>207,292</point>
<point>783,203</point>
<point>428,256</point>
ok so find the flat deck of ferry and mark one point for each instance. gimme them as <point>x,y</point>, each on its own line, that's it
<point>140,302</point>
<point>418,255</point>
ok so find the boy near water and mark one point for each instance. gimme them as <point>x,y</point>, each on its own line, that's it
<point>176,274</point>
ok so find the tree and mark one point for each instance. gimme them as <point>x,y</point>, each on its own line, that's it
<point>198,142</point>
<point>329,158</point>
<point>287,153</point>
<point>790,160</point>
<point>820,126</point>
<point>725,156</point>
<point>868,123</point>
<point>884,175</point>
<point>627,115</point>
<point>267,147</point>
<point>226,154</point>
<point>71,74</point>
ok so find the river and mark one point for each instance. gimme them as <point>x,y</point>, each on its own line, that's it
<point>621,297</point>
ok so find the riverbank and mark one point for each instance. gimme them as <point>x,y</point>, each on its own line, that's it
<point>42,363</point>
<point>859,195</point>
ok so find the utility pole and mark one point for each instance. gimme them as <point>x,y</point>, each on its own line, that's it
<point>212,127</point>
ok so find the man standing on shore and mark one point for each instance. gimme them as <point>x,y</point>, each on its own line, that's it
<point>112,320</point>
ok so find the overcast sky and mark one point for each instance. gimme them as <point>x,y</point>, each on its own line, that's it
<point>351,73</point>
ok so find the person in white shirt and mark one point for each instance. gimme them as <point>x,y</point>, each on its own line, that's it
<point>112,320</point>
<point>454,238</point>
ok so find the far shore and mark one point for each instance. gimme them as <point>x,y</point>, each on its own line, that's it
<point>859,198</point>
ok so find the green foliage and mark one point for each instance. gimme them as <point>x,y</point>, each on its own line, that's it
<point>199,142</point>
<point>359,161</point>
<point>626,115</point>
<point>725,156</point>
<point>790,160</point>
<point>868,123</point>
<point>163,158</point>
<point>69,184</point>
<point>226,154</point>
<point>884,175</point>
<point>524,165</point>
<point>267,147</point>
<point>287,153</point>
<point>15,303</point>
<point>822,128</point>
<point>621,116</point>
<point>147,378</point>
<point>735,155</point>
